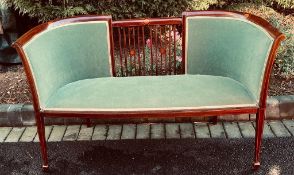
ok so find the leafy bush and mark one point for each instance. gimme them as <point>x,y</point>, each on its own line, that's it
<point>287,4</point>
<point>46,10</point>
<point>285,57</point>
<point>277,4</point>
<point>204,5</point>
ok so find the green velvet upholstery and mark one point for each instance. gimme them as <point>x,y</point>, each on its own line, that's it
<point>228,47</point>
<point>225,65</point>
<point>151,93</point>
<point>64,54</point>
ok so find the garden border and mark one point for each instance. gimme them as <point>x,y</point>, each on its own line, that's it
<point>278,107</point>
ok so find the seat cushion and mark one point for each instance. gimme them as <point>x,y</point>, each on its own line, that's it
<point>151,93</point>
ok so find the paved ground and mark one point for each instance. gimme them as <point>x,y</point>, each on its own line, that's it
<point>229,130</point>
<point>225,148</point>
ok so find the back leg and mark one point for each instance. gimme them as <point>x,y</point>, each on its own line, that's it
<point>213,120</point>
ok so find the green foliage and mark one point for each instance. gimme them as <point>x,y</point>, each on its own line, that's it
<point>287,4</point>
<point>285,57</point>
<point>45,10</point>
<point>204,4</point>
<point>280,4</point>
<point>5,4</point>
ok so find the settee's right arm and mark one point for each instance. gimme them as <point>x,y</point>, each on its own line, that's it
<point>237,45</point>
<point>63,51</point>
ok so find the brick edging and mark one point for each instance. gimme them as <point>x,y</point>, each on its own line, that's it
<point>278,107</point>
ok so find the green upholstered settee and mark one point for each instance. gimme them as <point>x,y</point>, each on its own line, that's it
<point>228,58</point>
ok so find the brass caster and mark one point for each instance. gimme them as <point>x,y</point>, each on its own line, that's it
<point>45,168</point>
<point>256,166</point>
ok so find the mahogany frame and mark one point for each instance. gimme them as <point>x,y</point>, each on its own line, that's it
<point>260,111</point>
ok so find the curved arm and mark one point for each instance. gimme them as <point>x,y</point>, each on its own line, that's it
<point>60,52</point>
<point>232,44</point>
<point>268,70</point>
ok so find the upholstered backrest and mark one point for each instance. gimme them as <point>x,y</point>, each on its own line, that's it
<point>64,53</point>
<point>227,46</point>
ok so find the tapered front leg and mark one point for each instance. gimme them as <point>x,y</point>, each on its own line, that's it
<point>42,139</point>
<point>258,137</point>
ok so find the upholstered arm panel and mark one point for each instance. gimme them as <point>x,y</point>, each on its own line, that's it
<point>229,47</point>
<point>64,54</point>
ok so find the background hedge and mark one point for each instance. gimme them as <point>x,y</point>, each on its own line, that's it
<point>278,12</point>
<point>45,10</point>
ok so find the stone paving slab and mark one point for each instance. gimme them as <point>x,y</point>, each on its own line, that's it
<point>187,130</point>
<point>232,130</point>
<point>279,129</point>
<point>14,114</point>
<point>172,131</point>
<point>157,131</point>
<point>286,104</point>
<point>71,133</point>
<point>3,110</point>
<point>3,115</point>
<point>272,108</point>
<point>28,115</point>
<point>290,125</point>
<point>114,132</point>
<point>242,117</point>
<point>217,131</point>
<point>128,131</point>
<point>4,131</point>
<point>85,133</point>
<point>100,132</point>
<point>202,130</point>
<point>247,129</point>
<point>143,131</point>
<point>252,117</point>
<point>57,133</point>
<point>283,128</point>
<point>48,130</point>
<point>15,134</point>
<point>29,134</point>
<point>267,132</point>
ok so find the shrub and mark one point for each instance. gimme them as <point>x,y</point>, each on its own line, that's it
<point>203,5</point>
<point>282,5</point>
<point>285,57</point>
<point>286,4</point>
<point>46,10</point>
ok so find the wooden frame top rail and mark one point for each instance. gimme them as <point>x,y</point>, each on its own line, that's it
<point>147,21</point>
<point>274,32</point>
<point>58,22</point>
<point>151,21</point>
